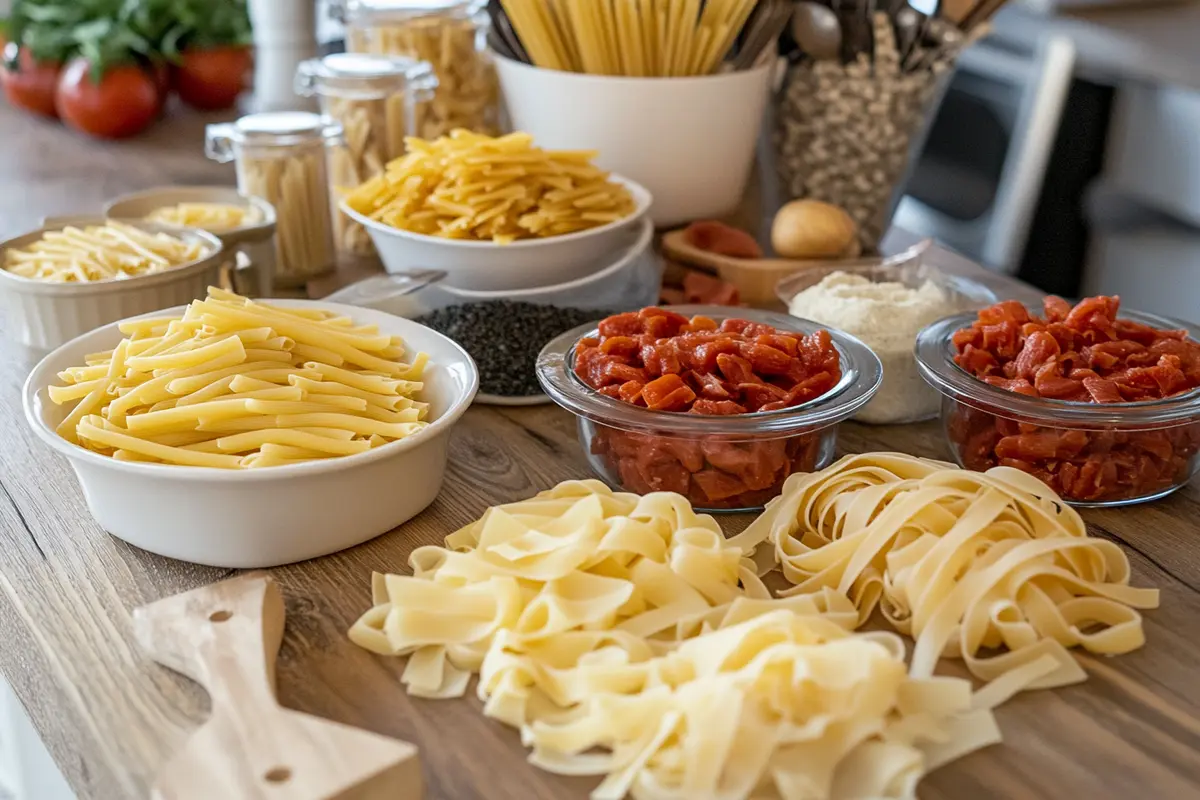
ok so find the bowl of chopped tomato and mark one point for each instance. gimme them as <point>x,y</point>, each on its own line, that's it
<point>715,403</point>
<point>1100,403</point>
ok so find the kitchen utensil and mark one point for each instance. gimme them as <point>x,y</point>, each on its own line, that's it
<point>226,638</point>
<point>248,518</point>
<point>817,30</point>
<point>503,29</point>
<point>379,288</point>
<point>660,132</point>
<point>980,13</point>
<point>769,19</point>
<point>523,264</point>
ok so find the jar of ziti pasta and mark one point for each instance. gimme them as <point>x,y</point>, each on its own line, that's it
<point>450,35</point>
<point>373,97</point>
<point>281,156</point>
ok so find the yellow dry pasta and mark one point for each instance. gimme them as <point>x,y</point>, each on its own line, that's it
<point>467,94</point>
<point>992,568</point>
<point>213,217</point>
<point>471,186</point>
<point>297,186</point>
<point>200,397</point>
<point>626,638</point>
<point>113,251</point>
<point>637,38</point>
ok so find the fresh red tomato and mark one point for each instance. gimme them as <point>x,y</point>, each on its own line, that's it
<point>212,79</point>
<point>123,103</point>
<point>32,85</point>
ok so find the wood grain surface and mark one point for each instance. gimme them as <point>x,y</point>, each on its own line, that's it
<point>111,717</point>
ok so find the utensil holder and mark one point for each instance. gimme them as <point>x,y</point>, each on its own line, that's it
<point>850,134</point>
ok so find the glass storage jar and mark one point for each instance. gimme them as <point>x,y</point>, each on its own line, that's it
<point>373,98</point>
<point>282,158</point>
<point>450,35</point>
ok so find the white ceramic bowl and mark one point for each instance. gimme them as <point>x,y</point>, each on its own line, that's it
<point>277,515</point>
<point>44,314</point>
<point>486,266</point>
<point>256,241</point>
<point>690,141</point>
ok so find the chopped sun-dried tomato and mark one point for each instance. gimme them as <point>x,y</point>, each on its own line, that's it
<point>661,360</point>
<point>1081,353</point>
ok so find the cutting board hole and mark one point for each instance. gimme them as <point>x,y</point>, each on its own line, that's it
<point>220,616</point>
<point>278,775</point>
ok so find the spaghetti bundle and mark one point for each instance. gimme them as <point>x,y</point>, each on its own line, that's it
<point>636,38</point>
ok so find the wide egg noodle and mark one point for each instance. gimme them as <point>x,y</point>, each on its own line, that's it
<point>963,562</point>
<point>626,638</point>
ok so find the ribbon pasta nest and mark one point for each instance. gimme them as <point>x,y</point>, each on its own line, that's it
<point>964,562</point>
<point>232,383</point>
<point>626,637</point>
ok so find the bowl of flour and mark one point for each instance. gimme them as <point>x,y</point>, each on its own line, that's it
<point>885,305</point>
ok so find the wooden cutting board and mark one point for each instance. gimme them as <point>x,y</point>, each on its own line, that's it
<point>226,637</point>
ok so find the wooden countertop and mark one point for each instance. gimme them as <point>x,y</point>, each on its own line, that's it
<point>111,718</point>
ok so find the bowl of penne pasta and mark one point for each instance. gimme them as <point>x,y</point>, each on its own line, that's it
<point>497,213</point>
<point>237,433</point>
<point>69,277</point>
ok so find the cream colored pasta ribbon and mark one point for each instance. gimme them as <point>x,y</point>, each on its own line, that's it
<point>625,637</point>
<point>964,562</point>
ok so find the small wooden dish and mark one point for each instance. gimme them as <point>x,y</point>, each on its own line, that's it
<point>755,278</point>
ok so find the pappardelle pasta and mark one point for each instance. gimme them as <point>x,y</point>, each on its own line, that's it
<point>233,383</point>
<point>112,251</point>
<point>212,217</point>
<point>471,186</point>
<point>627,638</point>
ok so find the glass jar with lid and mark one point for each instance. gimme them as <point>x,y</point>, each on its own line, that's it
<point>373,97</point>
<point>450,35</point>
<point>282,157</point>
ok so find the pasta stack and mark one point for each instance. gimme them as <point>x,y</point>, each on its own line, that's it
<point>233,384</point>
<point>471,186</point>
<point>626,637</point>
<point>112,251</point>
<point>637,38</point>
<point>213,217</point>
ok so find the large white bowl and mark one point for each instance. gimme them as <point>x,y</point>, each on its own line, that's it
<point>276,515</point>
<point>690,141</point>
<point>43,314</point>
<point>486,266</point>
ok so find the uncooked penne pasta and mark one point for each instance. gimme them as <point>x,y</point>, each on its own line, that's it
<point>196,395</point>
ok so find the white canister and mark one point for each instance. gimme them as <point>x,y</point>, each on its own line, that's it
<point>690,141</point>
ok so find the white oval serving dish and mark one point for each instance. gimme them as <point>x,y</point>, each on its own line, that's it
<point>276,515</point>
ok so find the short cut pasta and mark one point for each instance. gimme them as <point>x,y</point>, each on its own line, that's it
<point>237,384</point>
<point>212,217</point>
<point>113,251</point>
<point>471,186</point>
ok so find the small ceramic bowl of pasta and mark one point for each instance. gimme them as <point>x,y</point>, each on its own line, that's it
<point>241,434</point>
<point>245,224</point>
<point>73,275</point>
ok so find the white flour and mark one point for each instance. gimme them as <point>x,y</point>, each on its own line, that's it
<point>887,317</point>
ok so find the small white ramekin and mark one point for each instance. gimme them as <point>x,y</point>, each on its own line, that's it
<point>43,314</point>
<point>276,515</point>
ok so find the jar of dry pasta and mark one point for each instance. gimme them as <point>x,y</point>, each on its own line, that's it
<point>282,158</point>
<point>373,97</point>
<point>450,35</point>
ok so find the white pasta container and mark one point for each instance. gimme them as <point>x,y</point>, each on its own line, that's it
<point>451,36</point>
<point>282,157</point>
<point>374,98</point>
<point>43,314</point>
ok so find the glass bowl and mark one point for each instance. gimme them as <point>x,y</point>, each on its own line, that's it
<point>904,397</point>
<point>1091,454</point>
<point>720,463</point>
